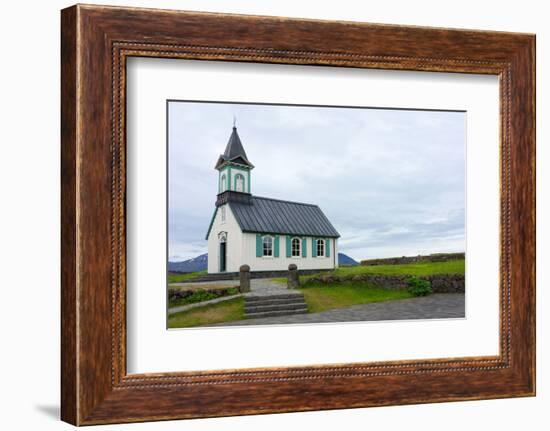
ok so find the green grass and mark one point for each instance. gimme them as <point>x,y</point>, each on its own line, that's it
<point>320,297</point>
<point>418,269</point>
<point>177,278</point>
<point>226,311</point>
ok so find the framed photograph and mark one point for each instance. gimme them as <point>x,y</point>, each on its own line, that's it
<point>322,152</point>
<point>267,215</point>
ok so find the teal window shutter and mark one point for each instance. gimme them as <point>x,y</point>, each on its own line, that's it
<point>258,245</point>
<point>288,246</point>
<point>327,247</point>
<point>276,251</point>
<point>304,247</point>
<point>313,247</point>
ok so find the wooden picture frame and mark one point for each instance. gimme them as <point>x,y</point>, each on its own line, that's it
<point>95,43</point>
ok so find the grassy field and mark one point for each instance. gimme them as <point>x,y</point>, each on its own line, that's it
<point>320,297</point>
<point>418,269</point>
<point>226,311</point>
<point>177,278</point>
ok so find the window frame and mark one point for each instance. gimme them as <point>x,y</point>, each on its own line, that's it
<point>272,240</point>
<point>321,242</point>
<point>299,255</point>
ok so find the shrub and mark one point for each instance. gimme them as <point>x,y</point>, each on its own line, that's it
<point>419,287</point>
<point>183,297</point>
<point>201,295</point>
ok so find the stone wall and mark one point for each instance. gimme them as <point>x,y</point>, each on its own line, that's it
<point>447,283</point>
<point>439,257</point>
<point>253,274</point>
<point>441,283</point>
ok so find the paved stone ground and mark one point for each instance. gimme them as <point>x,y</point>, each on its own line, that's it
<point>436,306</point>
<point>268,287</point>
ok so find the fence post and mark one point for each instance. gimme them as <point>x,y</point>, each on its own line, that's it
<point>244,277</point>
<point>293,277</point>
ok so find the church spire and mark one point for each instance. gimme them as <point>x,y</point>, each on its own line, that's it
<point>234,151</point>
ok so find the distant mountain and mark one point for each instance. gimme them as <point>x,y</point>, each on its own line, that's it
<point>199,263</point>
<point>344,259</point>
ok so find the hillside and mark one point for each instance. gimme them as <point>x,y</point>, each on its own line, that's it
<point>196,264</point>
<point>344,259</point>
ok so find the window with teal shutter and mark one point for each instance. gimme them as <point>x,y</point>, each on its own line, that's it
<point>313,247</point>
<point>258,245</point>
<point>276,246</point>
<point>304,247</point>
<point>327,245</point>
<point>288,246</point>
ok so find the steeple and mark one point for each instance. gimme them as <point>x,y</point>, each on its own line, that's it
<point>233,166</point>
<point>234,152</point>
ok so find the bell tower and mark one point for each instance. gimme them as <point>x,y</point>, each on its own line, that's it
<point>234,167</point>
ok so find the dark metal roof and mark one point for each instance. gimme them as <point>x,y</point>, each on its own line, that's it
<point>234,151</point>
<point>264,215</point>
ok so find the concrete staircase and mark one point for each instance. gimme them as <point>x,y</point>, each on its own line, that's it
<point>276,304</point>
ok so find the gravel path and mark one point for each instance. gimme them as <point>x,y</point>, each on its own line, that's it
<point>436,306</point>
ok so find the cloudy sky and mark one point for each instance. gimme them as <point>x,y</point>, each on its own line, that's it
<point>392,182</point>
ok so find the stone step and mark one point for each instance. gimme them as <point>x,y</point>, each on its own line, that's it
<point>274,307</point>
<point>274,301</point>
<point>276,313</point>
<point>276,296</point>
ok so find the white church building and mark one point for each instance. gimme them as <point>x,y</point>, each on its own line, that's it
<point>266,234</point>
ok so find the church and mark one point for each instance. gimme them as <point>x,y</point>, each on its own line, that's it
<point>266,234</point>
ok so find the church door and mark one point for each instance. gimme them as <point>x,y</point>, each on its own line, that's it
<point>223,256</point>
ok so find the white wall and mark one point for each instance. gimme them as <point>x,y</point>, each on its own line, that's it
<point>29,251</point>
<point>234,242</point>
